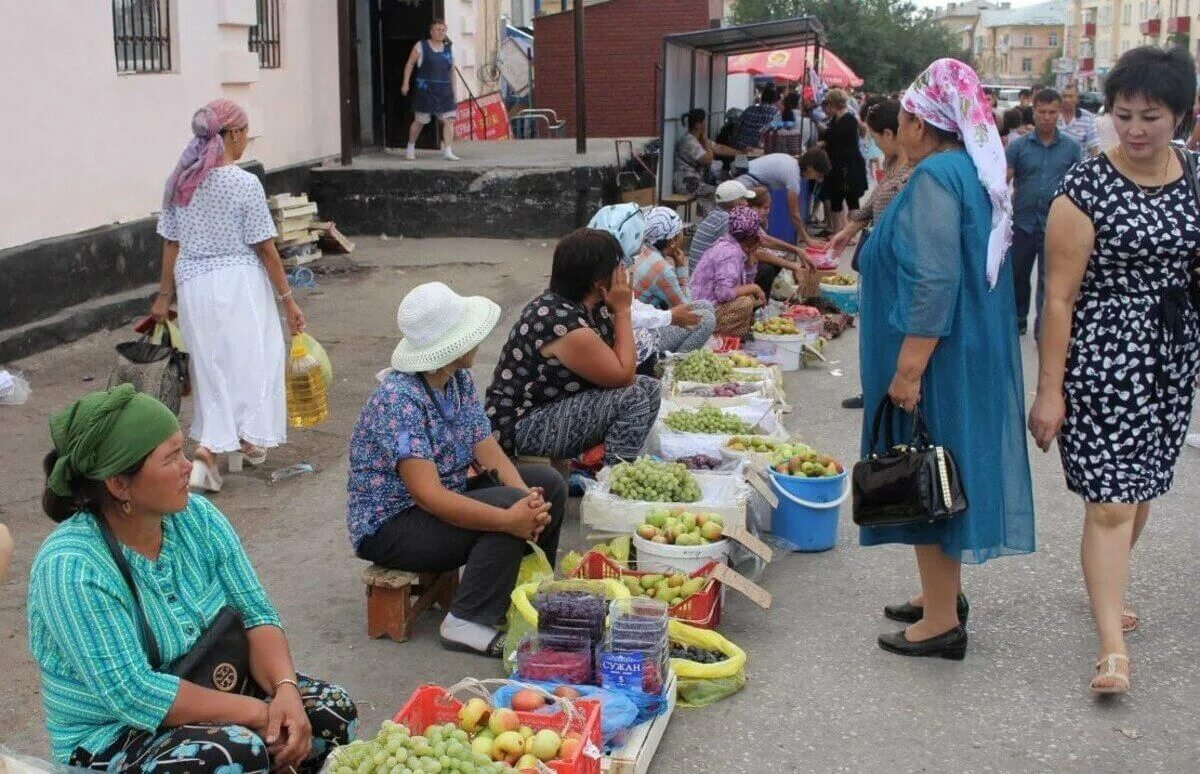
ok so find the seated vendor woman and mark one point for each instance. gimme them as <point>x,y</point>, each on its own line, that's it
<point>566,379</point>
<point>430,489</point>
<point>135,573</point>
<point>725,274</point>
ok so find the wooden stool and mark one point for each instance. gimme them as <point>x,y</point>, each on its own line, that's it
<point>391,606</point>
<point>676,201</point>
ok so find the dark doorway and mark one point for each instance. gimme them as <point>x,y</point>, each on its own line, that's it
<point>402,24</point>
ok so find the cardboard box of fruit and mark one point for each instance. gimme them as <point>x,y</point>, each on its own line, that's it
<point>604,513</point>
<point>681,431</point>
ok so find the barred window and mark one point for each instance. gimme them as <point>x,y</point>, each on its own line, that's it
<point>142,35</point>
<point>264,36</point>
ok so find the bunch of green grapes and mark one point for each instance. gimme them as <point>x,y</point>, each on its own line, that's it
<point>441,750</point>
<point>704,366</point>
<point>708,419</point>
<point>656,482</point>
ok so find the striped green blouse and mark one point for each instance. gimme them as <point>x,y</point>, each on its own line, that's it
<point>83,632</point>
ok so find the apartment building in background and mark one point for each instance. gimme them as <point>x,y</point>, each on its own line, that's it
<point>1099,31</point>
<point>1013,46</point>
<point>961,17</point>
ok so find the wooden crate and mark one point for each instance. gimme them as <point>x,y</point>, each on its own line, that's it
<point>635,755</point>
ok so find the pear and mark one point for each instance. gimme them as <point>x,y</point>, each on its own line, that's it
<point>649,581</point>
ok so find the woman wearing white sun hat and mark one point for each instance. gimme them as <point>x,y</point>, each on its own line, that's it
<point>430,489</point>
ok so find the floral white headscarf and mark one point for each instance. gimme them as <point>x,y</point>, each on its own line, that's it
<point>948,95</point>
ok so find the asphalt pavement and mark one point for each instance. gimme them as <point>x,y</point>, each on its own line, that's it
<point>821,698</point>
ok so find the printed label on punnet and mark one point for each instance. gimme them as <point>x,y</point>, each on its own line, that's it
<point>621,670</point>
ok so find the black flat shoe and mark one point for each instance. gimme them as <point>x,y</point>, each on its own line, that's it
<point>951,645</point>
<point>853,403</point>
<point>910,613</point>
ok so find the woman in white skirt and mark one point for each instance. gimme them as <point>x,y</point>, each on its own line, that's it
<point>220,263</point>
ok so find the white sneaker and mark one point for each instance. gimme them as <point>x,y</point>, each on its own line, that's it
<point>204,478</point>
<point>410,154</point>
<point>448,155</point>
<point>1193,439</point>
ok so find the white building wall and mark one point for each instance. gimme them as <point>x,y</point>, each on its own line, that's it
<point>88,147</point>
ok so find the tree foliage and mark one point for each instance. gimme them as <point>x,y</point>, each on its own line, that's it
<point>887,42</point>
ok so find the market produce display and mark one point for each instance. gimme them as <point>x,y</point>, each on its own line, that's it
<point>726,390</point>
<point>699,462</point>
<point>840,280</point>
<point>484,741</point>
<point>704,366</point>
<point>776,326</point>
<point>802,312</point>
<point>699,655</point>
<point>707,419</point>
<point>807,463</point>
<point>656,482</point>
<point>671,589</point>
<point>742,360</point>
<point>779,451</point>
<point>679,527</point>
<point>636,626</point>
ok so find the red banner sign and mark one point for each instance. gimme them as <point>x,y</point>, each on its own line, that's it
<point>482,119</point>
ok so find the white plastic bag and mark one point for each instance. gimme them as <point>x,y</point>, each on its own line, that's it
<point>14,388</point>
<point>673,444</point>
<point>601,512</point>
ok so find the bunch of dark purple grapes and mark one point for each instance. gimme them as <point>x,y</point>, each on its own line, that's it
<point>726,390</point>
<point>700,462</point>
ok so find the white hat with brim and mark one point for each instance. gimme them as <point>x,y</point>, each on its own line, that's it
<point>731,191</point>
<point>439,327</point>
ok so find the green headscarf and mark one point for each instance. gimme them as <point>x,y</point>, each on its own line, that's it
<point>105,433</point>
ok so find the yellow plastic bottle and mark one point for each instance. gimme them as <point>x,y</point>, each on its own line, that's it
<point>307,403</point>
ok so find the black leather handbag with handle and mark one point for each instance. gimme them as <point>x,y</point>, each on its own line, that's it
<point>220,659</point>
<point>912,483</point>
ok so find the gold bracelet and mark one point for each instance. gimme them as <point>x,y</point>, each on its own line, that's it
<point>287,681</point>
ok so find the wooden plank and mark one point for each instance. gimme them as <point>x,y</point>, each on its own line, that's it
<point>291,212</point>
<point>281,201</point>
<point>635,755</point>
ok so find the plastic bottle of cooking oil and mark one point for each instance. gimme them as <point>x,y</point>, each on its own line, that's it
<point>307,404</point>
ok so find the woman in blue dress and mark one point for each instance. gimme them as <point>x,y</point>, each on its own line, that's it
<point>937,312</point>
<point>433,60</point>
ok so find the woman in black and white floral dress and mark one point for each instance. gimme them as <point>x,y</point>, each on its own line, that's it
<point>1120,344</point>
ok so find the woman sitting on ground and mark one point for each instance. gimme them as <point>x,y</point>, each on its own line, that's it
<point>566,379</point>
<point>660,273</point>
<point>725,274</point>
<point>118,477</point>
<point>430,489</point>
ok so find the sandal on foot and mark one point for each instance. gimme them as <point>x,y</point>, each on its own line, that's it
<point>1129,621</point>
<point>495,648</point>
<point>1109,663</point>
<point>204,478</point>
<point>256,455</point>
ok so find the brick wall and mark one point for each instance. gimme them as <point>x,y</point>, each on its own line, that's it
<point>622,45</point>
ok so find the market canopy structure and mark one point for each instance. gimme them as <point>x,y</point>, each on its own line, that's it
<point>695,67</point>
<point>792,64</point>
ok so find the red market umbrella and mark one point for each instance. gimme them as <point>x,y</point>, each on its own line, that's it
<point>791,64</point>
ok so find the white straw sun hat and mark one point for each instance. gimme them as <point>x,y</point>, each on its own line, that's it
<point>440,326</point>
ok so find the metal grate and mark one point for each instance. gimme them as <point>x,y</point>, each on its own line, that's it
<point>264,36</point>
<point>142,35</point>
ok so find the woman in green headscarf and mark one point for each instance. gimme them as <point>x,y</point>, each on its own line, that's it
<point>118,464</point>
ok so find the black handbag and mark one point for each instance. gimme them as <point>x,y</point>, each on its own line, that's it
<point>220,659</point>
<point>906,484</point>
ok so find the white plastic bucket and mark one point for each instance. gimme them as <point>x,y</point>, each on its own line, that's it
<point>665,558</point>
<point>789,350</point>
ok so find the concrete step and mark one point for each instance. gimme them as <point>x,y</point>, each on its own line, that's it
<point>75,322</point>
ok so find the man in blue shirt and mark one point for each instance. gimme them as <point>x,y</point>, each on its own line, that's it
<point>1037,163</point>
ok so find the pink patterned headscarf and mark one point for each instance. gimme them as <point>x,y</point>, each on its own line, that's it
<point>204,152</point>
<point>948,95</point>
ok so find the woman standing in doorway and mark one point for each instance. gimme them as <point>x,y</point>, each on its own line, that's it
<point>433,59</point>
<point>220,262</point>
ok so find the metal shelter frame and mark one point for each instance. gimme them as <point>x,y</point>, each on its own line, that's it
<point>694,73</point>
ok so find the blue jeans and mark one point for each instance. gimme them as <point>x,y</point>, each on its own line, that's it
<point>1028,250</point>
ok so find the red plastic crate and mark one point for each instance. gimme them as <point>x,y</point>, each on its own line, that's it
<point>430,705</point>
<point>702,609</point>
<point>728,344</point>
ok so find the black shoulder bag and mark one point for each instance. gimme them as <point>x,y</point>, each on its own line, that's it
<point>220,659</point>
<point>1189,169</point>
<point>906,484</point>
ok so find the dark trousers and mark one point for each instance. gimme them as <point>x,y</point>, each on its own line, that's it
<point>417,541</point>
<point>764,277</point>
<point>213,747</point>
<point>1028,251</point>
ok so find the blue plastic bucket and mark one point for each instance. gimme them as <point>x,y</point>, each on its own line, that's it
<point>807,514</point>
